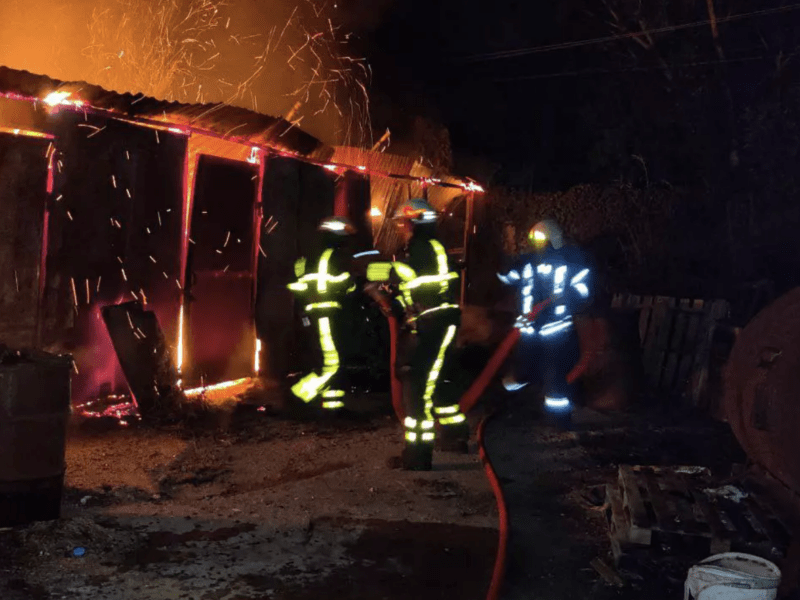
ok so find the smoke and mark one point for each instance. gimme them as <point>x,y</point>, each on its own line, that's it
<point>290,58</point>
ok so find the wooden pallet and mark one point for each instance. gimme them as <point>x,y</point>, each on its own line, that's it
<point>667,509</point>
<point>676,337</point>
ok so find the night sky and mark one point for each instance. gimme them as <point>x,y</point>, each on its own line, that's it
<point>512,111</point>
<point>551,119</point>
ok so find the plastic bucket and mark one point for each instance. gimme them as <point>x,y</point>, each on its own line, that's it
<point>733,576</point>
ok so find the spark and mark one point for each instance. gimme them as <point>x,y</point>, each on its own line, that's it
<point>16,279</point>
<point>74,293</point>
<point>227,239</point>
<point>88,294</point>
<point>69,214</point>
<point>124,276</point>
<point>98,283</point>
<point>94,133</point>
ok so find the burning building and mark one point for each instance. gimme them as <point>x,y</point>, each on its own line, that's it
<point>195,211</point>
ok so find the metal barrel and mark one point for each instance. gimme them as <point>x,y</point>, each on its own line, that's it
<point>34,410</point>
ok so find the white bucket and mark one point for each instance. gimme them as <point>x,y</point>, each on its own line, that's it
<point>733,576</point>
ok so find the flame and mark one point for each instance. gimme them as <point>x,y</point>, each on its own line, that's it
<point>255,156</point>
<point>225,385</point>
<point>26,133</point>
<point>180,341</point>
<point>375,212</point>
<point>330,167</point>
<point>56,98</point>
<point>474,187</point>
<point>257,360</point>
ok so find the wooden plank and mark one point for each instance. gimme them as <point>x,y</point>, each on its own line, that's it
<point>607,573</point>
<point>668,378</point>
<point>765,524</point>
<point>662,344</point>
<point>639,532</point>
<point>720,537</point>
<point>684,502</point>
<point>687,354</point>
<point>656,497</point>
<point>618,525</point>
<point>677,348</point>
<point>650,346</point>
<point>645,313</point>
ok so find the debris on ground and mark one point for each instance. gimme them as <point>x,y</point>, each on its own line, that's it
<point>264,507</point>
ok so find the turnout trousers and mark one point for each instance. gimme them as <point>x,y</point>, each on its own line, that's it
<point>422,357</point>
<point>323,384</point>
<point>549,359</point>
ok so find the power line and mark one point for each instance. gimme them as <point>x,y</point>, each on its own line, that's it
<point>611,38</point>
<point>626,70</point>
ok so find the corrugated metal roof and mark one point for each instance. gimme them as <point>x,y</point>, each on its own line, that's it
<point>229,121</point>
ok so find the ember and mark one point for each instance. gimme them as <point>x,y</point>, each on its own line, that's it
<point>116,406</point>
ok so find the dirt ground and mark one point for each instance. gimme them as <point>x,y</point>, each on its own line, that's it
<point>553,483</point>
<point>262,507</point>
<point>256,505</point>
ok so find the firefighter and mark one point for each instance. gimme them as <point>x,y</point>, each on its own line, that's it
<point>427,294</point>
<point>549,346</point>
<point>323,281</point>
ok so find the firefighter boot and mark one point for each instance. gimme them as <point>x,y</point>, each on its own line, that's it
<point>417,456</point>
<point>454,438</point>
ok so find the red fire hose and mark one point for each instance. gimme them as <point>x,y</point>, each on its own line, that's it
<point>397,388</point>
<point>500,559</point>
<point>471,396</point>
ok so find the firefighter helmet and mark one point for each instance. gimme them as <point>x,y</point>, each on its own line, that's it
<point>418,211</point>
<point>337,225</point>
<point>546,231</point>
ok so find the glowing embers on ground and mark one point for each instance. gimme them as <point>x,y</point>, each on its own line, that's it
<point>121,407</point>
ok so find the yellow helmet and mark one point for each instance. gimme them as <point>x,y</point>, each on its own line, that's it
<point>546,231</point>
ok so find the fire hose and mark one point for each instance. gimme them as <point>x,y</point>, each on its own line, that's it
<point>397,387</point>
<point>475,391</point>
<point>502,543</point>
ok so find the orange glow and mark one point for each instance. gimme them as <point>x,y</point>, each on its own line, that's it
<point>375,212</point>
<point>180,340</point>
<point>228,386</point>
<point>27,133</point>
<point>56,98</point>
<point>473,187</point>
<point>257,362</point>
